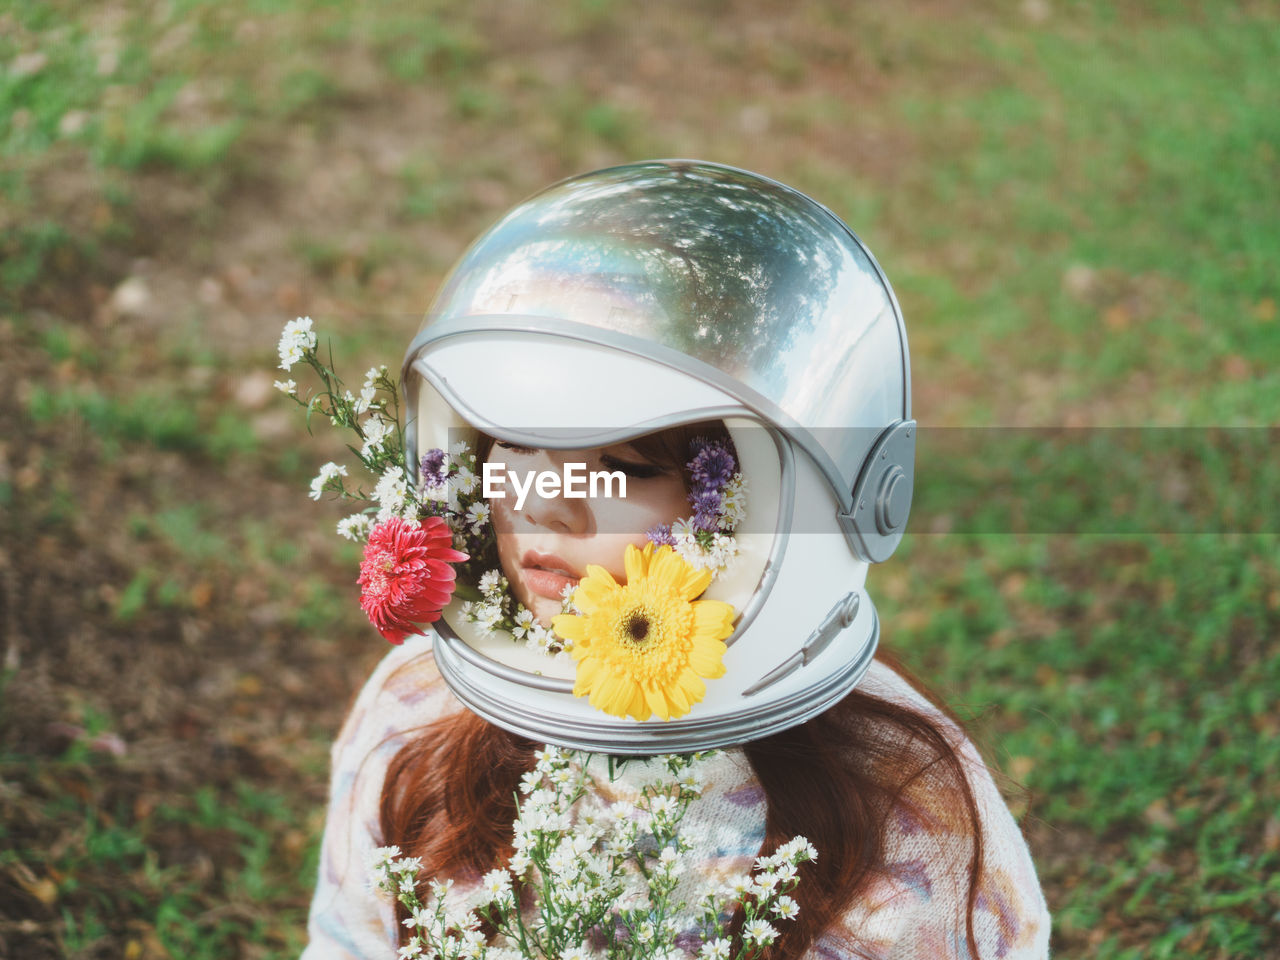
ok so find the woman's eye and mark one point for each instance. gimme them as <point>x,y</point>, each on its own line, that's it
<point>514,447</point>
<point>641,471</point>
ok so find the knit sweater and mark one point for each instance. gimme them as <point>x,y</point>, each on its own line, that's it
<point>915,908</point>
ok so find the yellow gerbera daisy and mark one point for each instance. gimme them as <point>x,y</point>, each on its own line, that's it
<point>643,647</point>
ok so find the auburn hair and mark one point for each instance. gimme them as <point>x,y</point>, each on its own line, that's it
<point>449,798</point>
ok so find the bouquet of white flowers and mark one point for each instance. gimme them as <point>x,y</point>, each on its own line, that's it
<point>589,880</point>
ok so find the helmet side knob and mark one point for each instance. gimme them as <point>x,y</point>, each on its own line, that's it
<point>882,495</point>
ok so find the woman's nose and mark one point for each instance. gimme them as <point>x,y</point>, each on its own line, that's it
<point>549,507</point>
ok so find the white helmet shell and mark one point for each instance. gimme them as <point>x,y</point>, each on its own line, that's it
<point>645,296</point>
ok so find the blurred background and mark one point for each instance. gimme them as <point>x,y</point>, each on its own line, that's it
<point>1077,202</point>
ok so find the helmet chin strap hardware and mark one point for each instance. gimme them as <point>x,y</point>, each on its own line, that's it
<point>882,495</point>
<point>840,617</point>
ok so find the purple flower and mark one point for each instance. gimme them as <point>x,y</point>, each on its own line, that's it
<point>706,509</point>
<point>712,466</point>
<point>661,535</point>
<point>433,469</point>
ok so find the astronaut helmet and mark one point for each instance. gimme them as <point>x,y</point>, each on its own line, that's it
<point>729,350</point>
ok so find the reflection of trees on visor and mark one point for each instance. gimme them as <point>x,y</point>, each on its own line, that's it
<point>665,250</point>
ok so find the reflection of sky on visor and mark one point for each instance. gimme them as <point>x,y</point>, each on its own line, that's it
<point>542,280</point>
<point>814,368</point>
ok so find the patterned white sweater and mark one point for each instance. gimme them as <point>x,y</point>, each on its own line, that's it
<point>915,909</point>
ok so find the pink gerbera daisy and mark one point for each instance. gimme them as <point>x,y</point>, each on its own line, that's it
<point>406,575</point>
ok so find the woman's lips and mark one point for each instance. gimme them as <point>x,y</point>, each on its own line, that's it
<point>547,575</point>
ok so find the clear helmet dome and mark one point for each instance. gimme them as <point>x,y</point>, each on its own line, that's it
<point>623,305</point>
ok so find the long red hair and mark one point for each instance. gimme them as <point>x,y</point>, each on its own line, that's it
<point>449,798</point>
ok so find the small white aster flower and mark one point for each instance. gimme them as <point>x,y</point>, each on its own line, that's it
<point>534,813</point>
<point>440,888</point>
<point>407,865</point>
<point>717,949</point>
<point>617,847</point>
<point>738,886</point>
<point>786,909</point>
<point>464,481</point>
<point>420,917</point>
<point>529,781</point>
<point>459,448</point>
<point>355,527</point>
<point>683,528</point>
<point>464,920</point>
<point>477,516</point>
<point>361,403</point>
<point>661,805</point>
<point>766,882</point>
<point>496,885</point>
<point>487,615</point>
<point>490,582</point>
<point>472,945</point>
<point>798,849</point>
<point>733,503</point>
<point>376,431</point>
<point>539,638</point>
<point>327,473</point>
<point>391,492</point>
<point>645,932</point>
<point>723,550</point>
<point>287,386</point>
<point>759,931</point>
<point>692,781</point>
<point>381,857</point>
<point>577,953</point>
<point>622,812</point>
<point>564,864</point>
<point>411,950</point>
<point>547,757</point>
<point>523,622</point>
<point>692,553</point>
<point>296,339</point>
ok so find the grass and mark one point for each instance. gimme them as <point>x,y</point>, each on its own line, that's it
<point>1144,158</point>
<point>1133,708</point>
<point>1077,208</point>
<point>153,867</point>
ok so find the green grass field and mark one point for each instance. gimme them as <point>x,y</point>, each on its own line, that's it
<point>1078,204</point>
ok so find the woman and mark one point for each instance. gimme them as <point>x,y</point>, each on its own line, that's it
<point>593,326</point>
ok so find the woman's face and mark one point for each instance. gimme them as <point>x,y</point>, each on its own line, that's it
<point>548,543</point>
